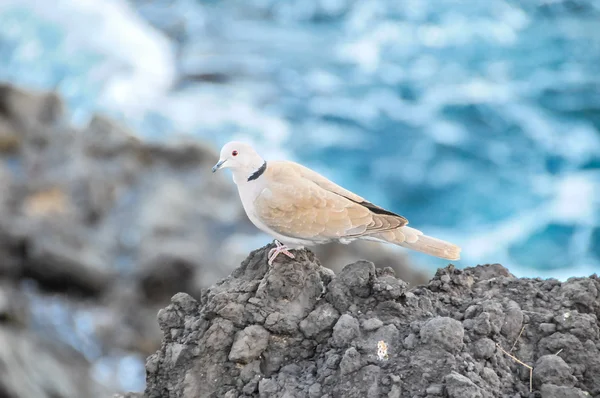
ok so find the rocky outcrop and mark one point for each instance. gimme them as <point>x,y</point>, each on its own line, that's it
<point>297,330</point>
<point>98,229</point>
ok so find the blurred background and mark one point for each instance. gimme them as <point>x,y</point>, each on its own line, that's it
<point>477,120</point>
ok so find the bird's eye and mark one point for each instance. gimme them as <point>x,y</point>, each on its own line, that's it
<point>234,153</point>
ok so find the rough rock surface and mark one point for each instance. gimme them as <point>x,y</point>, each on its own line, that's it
<point>297,330</point>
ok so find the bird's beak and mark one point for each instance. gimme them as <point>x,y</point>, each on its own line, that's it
<point>218,165</point>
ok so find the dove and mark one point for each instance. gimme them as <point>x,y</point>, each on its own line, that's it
<point>298,207</point>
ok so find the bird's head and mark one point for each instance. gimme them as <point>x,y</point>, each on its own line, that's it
<point>237,155</point>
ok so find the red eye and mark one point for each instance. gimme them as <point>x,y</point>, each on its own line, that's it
<point>234,153</point>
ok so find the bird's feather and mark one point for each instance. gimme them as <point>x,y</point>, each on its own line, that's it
<point>333,187</point>
<point>300,203</point>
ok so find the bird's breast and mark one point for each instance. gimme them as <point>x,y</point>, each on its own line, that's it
<point>248,194</point>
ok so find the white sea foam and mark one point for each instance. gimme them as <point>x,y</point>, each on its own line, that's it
<point>136,65</point>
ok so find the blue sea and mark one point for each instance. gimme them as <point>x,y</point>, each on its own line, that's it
<point>477,120</point>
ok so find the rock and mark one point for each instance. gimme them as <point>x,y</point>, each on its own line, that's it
<point>395,392</point>
<point>547,328</point>
<point>107,138</point>
<point>249,344</point>
<point>354,281</point>
<point>345,330</point>
<point>482,325</point>
<point>26,108</point>
<point>581,325</point>
<point>484,348</point>
<point>552,391</point>
<point>372,324</point>
<point>489,271</point>
<point>552,369</point>
<point>83,226</point>
<point>459,386</point>
<point>491,378</point>
<point>338,256</point>
<point>350,361</point>
<point>389,288</point>
<point>321,319</point>
<point>443,332</point>
<point>59,258</point>
<point>435,389</point>
<point>513,321</point>
<point>314,391</point>
<point>382,344</point>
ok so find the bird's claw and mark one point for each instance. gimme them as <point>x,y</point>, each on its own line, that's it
<point>280,248</point>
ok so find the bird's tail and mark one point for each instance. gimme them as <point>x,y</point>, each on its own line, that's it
<point>414,239</point>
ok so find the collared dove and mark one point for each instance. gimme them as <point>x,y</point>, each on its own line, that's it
<point>299,207</point>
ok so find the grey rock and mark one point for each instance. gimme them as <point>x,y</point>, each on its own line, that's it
<point>321,319</point>
<point>267,388</point>
<point>513,321</point>
<point>251,387</point>
<point>552,369</point>
<point>57,252</point>
<point>313,351</point>
<point>24,108</point>
<point>459,386</point>
<point>491,378</point>
<point>482,325</point>
<point>395,392</point>
<point>249,344</point>
<point>364,383</point>
<point>444,332</point>
<point>350,361</point>
<point>553,391</point>
<point>484,348</point>
<point>584,326</point>
<point>410,341</point>
<point>345,330</point>
<point>372,324</point>
<point>336,257</point>
<point>389,288</point>
<point>547,328</point>
<point>354,281</point>
<point>489,271</point>
<point>435,389</point>
<point>315,391</point>
<point>250,371</point>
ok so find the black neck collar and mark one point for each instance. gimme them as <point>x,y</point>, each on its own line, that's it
<point>258,172</point>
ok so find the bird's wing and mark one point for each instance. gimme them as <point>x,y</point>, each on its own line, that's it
<point>294,204</point>
<point>333,187</point>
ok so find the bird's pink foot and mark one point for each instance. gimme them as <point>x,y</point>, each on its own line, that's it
<point>281,248</point>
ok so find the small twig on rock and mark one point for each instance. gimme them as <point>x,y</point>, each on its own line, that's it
<point>520,334</point>
<point>522,363</point>
<point>561,350</point>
